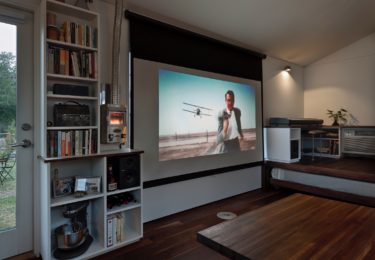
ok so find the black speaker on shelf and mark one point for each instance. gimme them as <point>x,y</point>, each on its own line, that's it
<point>126,171</point>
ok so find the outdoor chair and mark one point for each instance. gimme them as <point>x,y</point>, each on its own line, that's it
<point>7,163</point>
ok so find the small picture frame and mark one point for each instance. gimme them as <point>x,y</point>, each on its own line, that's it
<point>87,184</point>
<point>63,187</point>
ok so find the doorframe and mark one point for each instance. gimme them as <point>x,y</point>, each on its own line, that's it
<point>34,7</point>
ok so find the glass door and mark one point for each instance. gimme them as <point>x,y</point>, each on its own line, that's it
<point>16,132</point>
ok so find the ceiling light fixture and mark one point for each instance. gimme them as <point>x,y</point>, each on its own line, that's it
<point>288,69</point>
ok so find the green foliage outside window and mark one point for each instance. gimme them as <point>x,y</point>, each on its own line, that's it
<point>8,90</point>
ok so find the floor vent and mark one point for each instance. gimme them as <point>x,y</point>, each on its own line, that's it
<point>226,215</point>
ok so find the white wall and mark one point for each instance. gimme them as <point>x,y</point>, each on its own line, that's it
<point>282,91</point>
<point>171,198</point>
<point>106,9</point>
<point>344,79</point>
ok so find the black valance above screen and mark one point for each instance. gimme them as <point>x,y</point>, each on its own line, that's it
<point>157,41</point>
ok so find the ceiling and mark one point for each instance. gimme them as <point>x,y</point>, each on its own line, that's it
<point>297,31</point>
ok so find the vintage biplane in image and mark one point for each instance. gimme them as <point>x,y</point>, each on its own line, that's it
<point>196,110</point>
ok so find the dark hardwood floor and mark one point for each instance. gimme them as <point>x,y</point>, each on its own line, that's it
<point>174,237</point>
<point>297,227</point>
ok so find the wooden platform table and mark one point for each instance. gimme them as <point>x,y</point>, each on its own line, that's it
<point>297,227</point>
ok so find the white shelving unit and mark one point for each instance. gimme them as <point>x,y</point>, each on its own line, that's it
<point>73,165</point>
<point>325,144</point>
<point>97,211</point>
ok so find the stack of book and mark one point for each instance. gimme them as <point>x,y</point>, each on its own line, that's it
<point>79,34</point>
<point>71,143</point>
<point>74,63</point>
<point>115,229</point>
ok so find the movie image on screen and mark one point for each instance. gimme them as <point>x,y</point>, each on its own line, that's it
<point>201,116</point>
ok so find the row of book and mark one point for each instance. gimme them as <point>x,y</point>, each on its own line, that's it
<point>72,63</point>
<point>72,143</point>
<point>81,34</point>
<point>115,229</point>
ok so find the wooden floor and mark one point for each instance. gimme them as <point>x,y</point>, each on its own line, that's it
<point>297,227</point>
<point>175,236</point>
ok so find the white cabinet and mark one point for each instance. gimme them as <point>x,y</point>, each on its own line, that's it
<point>282,144</point>
<point>100,207</point>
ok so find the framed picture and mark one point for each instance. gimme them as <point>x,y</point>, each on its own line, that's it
<point>63,187</point>
<point>87,184</point>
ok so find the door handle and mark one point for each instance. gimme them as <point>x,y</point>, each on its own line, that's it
<point>25,143</point>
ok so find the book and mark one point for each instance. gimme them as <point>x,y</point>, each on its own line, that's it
<point>50,64</point>
<point>114,229</point>
<point>86,142</point>
<point>59,133</point>
<point>76,143</point>
<point>63,143</point>
<point>120,234</point>
<point>109,231</point>
<point>62,61</point>
<point>67,63</point>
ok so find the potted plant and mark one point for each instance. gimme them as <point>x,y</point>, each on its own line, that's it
<point>338,116</point>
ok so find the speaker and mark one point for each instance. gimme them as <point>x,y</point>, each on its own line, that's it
<point>128,172</point>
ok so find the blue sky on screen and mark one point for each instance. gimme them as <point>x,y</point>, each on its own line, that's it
<point>177,88</point>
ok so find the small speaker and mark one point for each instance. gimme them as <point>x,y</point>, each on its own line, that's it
<point>128,172</point>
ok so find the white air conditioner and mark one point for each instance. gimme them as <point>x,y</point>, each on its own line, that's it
<point>359,141</point>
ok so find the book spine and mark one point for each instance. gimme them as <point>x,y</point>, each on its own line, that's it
<point>59,143</point>
<point>67,63</point>
<point>76,141</point>
<point>63,144</point>
<point>81,135</point>
<point>51,60</point>
<point>56,61</point>
<point>62,61</point>
<point>109,231</point>
<point>90,142</point>
<point>86,142</point>
<point>114,230</point>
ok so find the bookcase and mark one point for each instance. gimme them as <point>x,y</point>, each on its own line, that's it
<point>72,80</point>
<point>70,146</point>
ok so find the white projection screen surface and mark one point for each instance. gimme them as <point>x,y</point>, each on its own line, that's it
<point>179,117</point>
